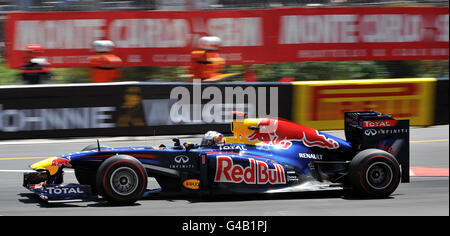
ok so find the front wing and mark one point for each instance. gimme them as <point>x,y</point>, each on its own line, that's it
<point>37,182</point>
<point>60,193</point>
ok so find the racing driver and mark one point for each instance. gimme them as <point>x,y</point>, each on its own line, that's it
<point>212,138</point>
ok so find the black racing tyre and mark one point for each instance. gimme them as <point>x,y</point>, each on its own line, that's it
<point>121,180</point>
<point>87,177</point>
<point>374,173</point>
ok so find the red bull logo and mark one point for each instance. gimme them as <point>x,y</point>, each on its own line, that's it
<point>267,132</point>
<point>271,139</point>
<point>281,134</point>
<point>59,162</point>
<point>314,139</point>
<point>257,172</point>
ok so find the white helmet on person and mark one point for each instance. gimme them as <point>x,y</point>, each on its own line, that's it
<point>209,43</point>
<point>103,45</point>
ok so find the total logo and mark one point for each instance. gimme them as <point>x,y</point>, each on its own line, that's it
<point>232,147</point>
<point>68,190</point>
<point>379,123</point>
<point>257,172</point>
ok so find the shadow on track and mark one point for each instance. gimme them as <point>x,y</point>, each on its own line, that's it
<point>30,198</point>
<point>307,195</point>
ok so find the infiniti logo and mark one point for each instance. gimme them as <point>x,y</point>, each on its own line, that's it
<point>182,162</point>
<point>374,132</point>
<point>182,159</point>
<point>370,132</point>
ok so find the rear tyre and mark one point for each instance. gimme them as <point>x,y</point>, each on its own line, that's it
<point>121,180</point>
<point>374,173</point>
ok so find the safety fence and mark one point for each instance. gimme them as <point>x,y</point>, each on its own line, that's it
<point>135,109</point>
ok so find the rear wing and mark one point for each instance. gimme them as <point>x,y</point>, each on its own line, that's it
<point>371,129</point>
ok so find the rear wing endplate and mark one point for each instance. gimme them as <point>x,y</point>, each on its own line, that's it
<point>371,129</point>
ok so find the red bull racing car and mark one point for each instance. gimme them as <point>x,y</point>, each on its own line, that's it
<point>264,155</point>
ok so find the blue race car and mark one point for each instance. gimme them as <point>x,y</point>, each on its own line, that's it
<point>264,155</point>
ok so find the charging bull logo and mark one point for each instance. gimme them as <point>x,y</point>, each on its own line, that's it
<point>59,162</point>
<point>282,133</point>
<point>267,132</point>
<point>314,139</point>
<point>257,172</point>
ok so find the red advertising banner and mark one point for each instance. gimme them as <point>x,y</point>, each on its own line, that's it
<point>160,38</point>
<point>363,33</point>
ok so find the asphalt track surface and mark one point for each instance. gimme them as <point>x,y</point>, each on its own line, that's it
<point>423,196</point>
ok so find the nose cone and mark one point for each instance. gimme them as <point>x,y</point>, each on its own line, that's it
<point>52,164</point>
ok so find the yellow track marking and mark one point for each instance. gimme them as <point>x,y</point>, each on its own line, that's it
<point>429,141</point>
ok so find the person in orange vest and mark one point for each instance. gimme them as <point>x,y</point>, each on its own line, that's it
<point>36,68</point>
<point>104,66</point>
<point>206,63</point>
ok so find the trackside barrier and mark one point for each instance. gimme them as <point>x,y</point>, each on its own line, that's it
<point>441,105</point>
<point>132,108</point>
<point>322,104</point>
<point>136,108</point>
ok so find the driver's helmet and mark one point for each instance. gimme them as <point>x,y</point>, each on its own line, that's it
<point>211,138</point>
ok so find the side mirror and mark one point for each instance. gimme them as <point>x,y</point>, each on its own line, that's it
<point>189,146</point>
<point>176,142</point>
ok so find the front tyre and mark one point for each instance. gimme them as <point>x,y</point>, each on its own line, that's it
<point>374,173</point>
<point>121,180</point>
<point>87,177</point>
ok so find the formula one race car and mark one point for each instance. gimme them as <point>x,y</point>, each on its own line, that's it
<point>264,155</point>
